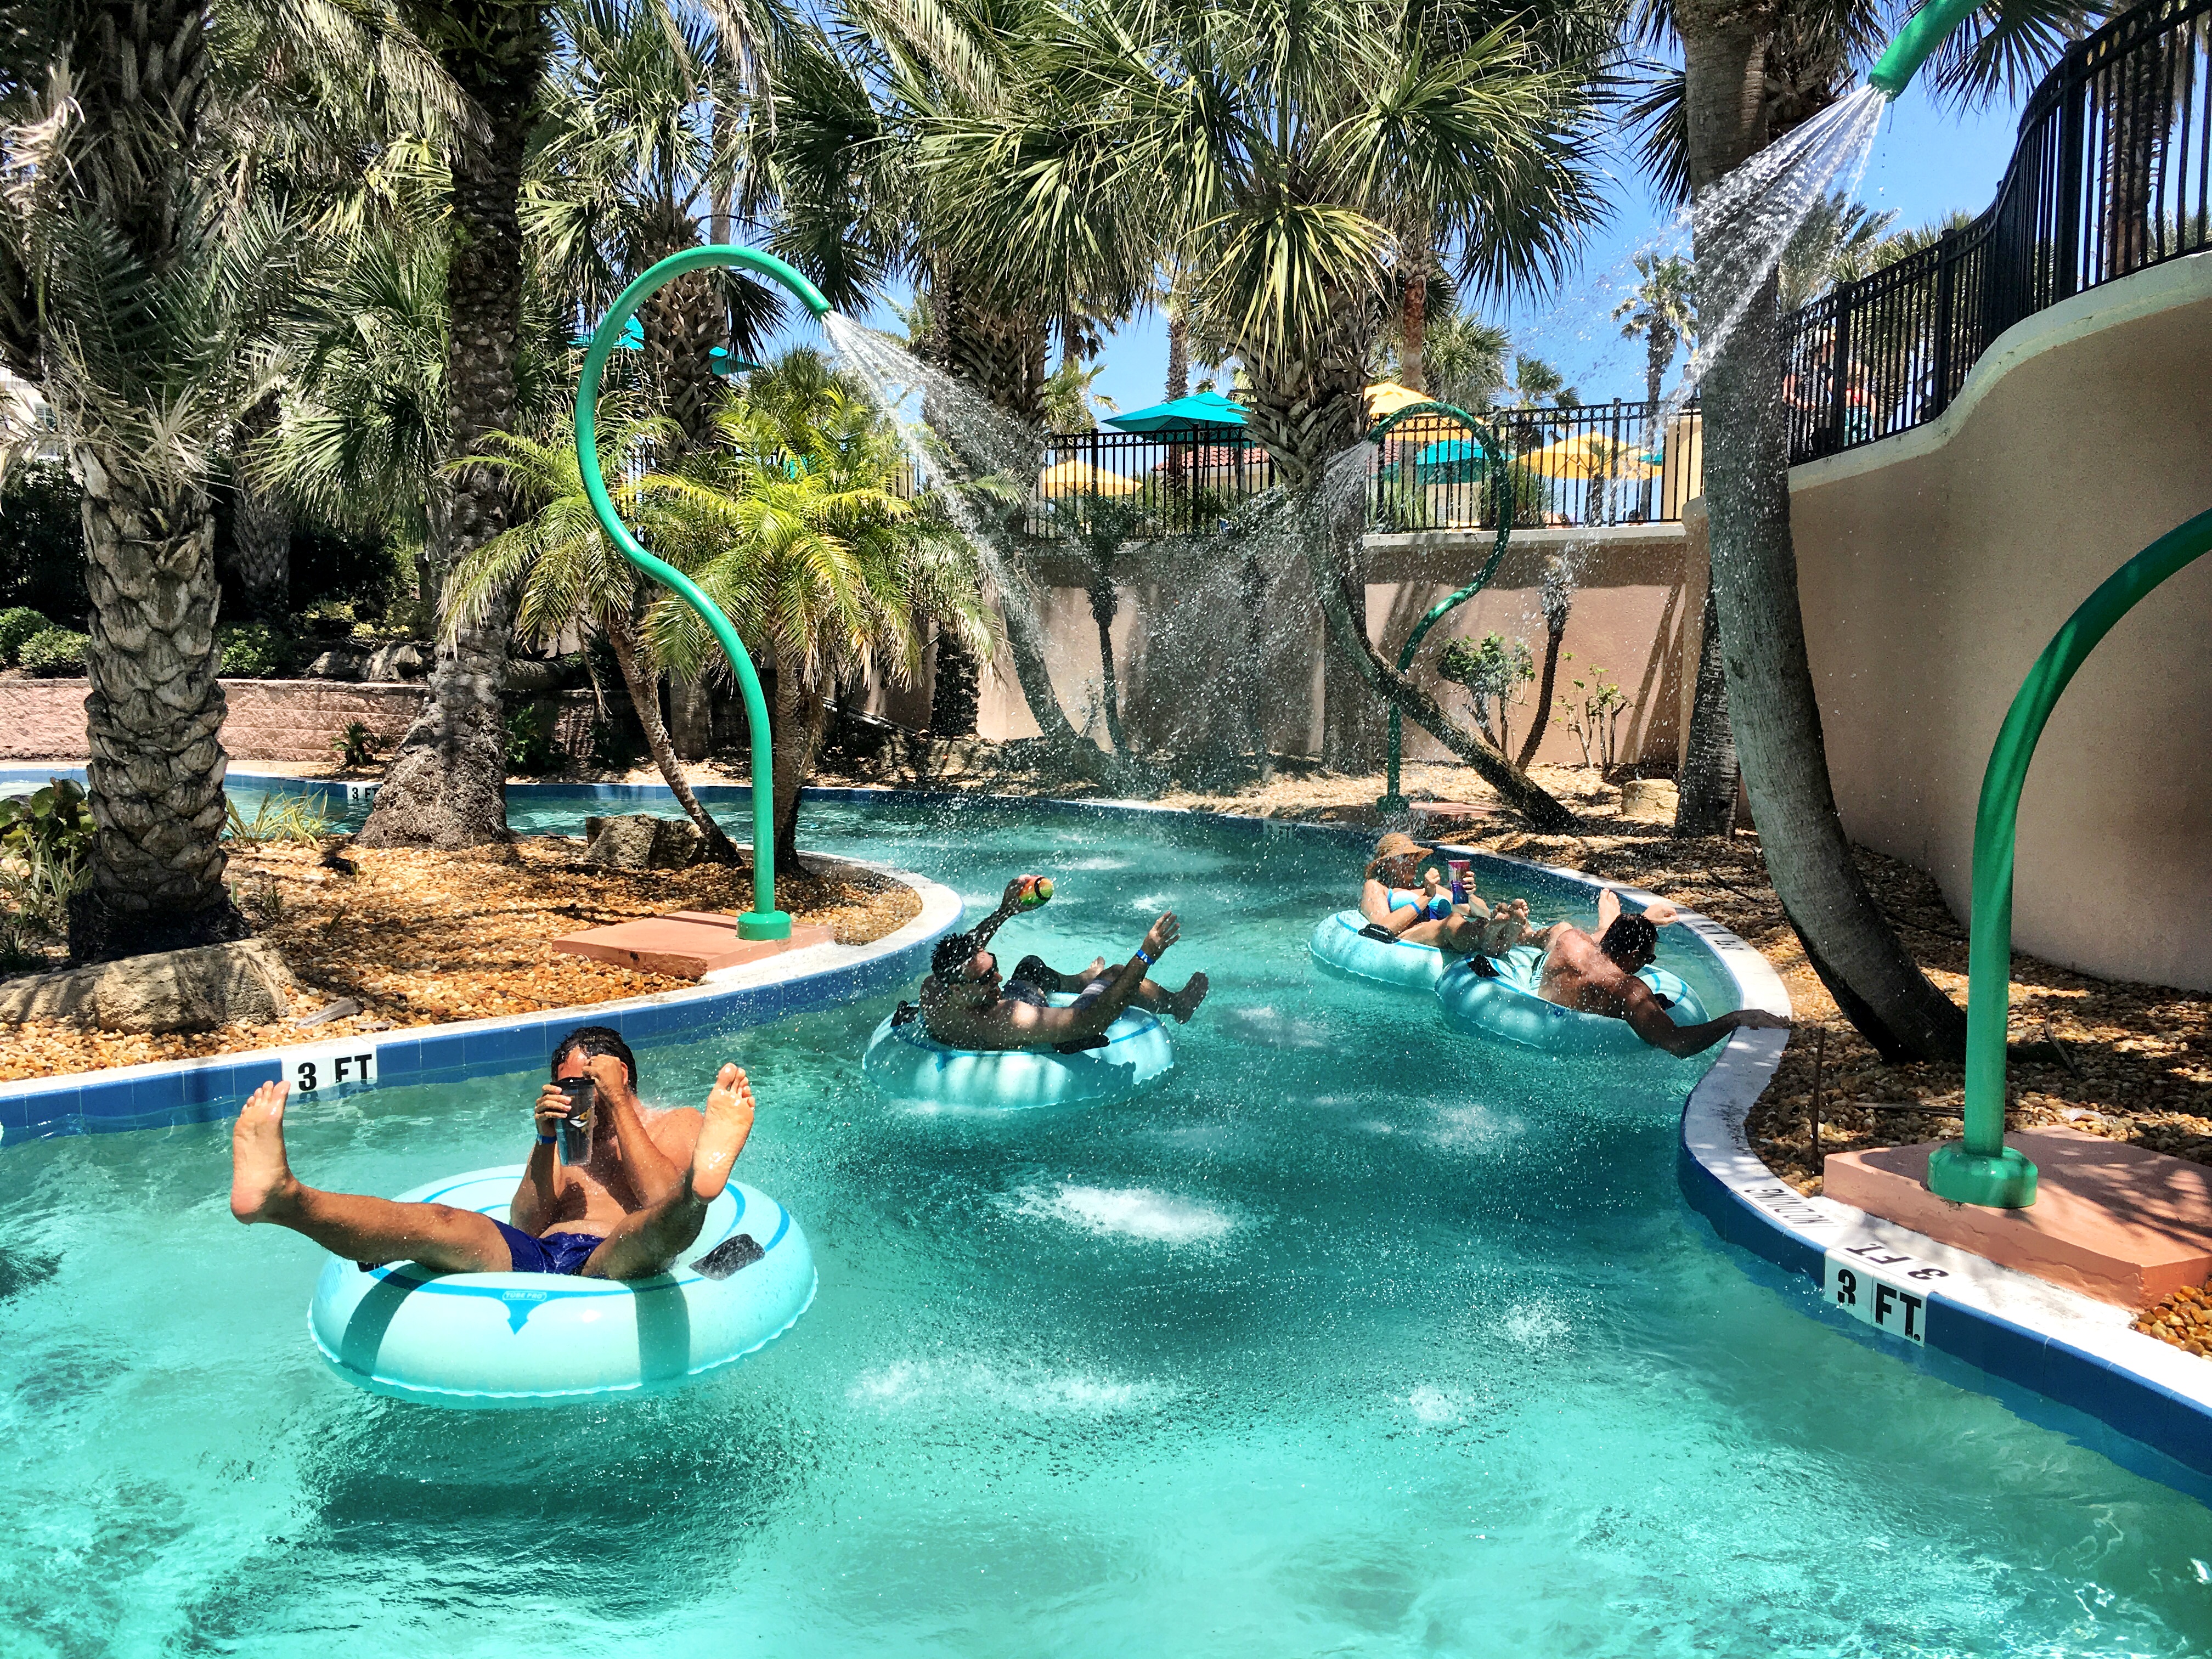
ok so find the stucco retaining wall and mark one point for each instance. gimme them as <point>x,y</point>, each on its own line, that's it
<point>1182,635</point>
<point>1933,566</point>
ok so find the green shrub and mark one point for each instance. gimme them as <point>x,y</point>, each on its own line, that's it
<point>530,742</point>
<point>255,651</point>
<point>16,626</point>
<point>355,746</point>
<point>52,653</point>
<point>294,818</point>
<point>54,820</point>
<point>42,562</point>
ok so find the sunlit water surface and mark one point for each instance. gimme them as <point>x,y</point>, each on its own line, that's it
<point>1354,1338</point>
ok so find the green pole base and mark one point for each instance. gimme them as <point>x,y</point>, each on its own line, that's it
<point>1395,809</point>
<point>2006,1182</point>
<point>764,924</point>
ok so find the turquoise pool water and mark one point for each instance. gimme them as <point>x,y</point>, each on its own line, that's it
<point>1354,1338</point>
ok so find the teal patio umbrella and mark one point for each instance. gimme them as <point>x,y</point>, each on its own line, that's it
<point>1200,408</point>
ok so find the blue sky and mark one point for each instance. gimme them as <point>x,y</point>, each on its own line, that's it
<point>1926,161</point>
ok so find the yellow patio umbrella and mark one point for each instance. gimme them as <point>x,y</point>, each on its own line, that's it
<point>1587,455</point>
<point>1081,478</point>
<point>1385,397</point>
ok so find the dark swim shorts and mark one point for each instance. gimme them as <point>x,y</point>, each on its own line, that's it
<point>555,1252</point>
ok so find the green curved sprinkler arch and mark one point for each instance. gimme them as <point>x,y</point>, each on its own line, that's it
<point>1982,1169</point>
<point>1393,805</point>
<point>764,921</point>
<point>1929,27</point>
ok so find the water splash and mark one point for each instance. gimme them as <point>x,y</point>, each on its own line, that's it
<point>1745,223</point>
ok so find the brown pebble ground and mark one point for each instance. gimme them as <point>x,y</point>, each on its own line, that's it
<point>422,937</point>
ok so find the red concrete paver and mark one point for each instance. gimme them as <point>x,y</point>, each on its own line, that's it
<point>691,944</point>
<point>2120,1223</point>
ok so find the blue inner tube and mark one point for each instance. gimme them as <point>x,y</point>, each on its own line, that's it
<point>1509,1008</point>
<point>1340,949</point>
<point>475,1340</point>
<point>908,1065</point>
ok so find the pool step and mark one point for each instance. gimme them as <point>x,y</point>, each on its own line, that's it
<point>686,943</point>
<point>2119,1222</point>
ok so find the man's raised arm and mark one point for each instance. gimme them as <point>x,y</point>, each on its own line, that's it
<point>1094,1020</point>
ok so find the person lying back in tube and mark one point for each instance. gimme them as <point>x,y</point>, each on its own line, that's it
<point>1597,975</point>
<point>612,1190</point>
<point>965,1003</point>
<point>1446,913</point>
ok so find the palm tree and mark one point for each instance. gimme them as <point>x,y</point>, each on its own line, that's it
<point>447,784</point>
<point>1662,313</point>
<point>1278,148</point>
<point>1751,72</point>
<point>788,520</point>
<point>138,272</point>
<point>1464,360</point>
<point>568,578</point>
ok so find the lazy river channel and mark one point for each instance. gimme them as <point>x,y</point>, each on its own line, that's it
<point>1351,1338</point>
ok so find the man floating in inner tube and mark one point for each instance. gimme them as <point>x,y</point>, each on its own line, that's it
<point>635,1205</point>
<point>1452,918</point>
<point>966,1005</point>
<point>1597,975</point>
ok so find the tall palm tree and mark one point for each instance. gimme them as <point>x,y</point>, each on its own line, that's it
<point>568,578</point>
<point>447,784</point>
<point>1280,146</point>
<point>1751,72</point>
<point>135,281</point>
<point>788,520</point>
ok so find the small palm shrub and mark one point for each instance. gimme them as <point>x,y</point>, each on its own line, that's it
<point>254,651</point>
<point>355,746</point>
<point>52,653</point>
<point>530,748</point>
<point>16,626</point>
<point>294,818</point>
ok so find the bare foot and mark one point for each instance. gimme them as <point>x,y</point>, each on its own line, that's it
<point>1184,1003</point>
<point>722,1137</point>
<point>261,1181</point>
<point>1507,927</point>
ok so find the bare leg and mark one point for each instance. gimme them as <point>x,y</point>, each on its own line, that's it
<point>645,1241</point>
<point>1608,910</point>
<point>264,1189</point>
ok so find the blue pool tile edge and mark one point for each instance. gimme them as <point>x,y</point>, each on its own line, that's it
<point>2052,1356</point>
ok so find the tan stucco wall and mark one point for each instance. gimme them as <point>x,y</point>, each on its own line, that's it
<point>1181,628</point>
<point>1935,566</point>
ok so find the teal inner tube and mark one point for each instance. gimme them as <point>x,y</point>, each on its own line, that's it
<point>487,1340</point>
<point>1339,949</point>
<point>1509,1008</point>
<point>906,1064</point>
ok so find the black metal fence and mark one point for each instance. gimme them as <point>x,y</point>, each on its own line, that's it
<point>1595,464</point>
<point>1606,464</point>
<point>2112,173</point>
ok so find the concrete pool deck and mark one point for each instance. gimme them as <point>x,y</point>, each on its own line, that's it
<point>2054,1357</point>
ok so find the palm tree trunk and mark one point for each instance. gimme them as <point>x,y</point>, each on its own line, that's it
<point>645,698</point>
<point>154,718</point>
<point>1776,718</point>
<point>796,736</point>
<point>1555,631</point>
<point>153,722</point>
<point>1178,352</point>
<point>261,522</point>
<point>1706,803</point>
<point>952,688</point>
<point>1103,606</point>
<point>446,786</point>
<point>1413,320</point>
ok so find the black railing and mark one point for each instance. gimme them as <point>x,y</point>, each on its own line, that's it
<point>1594,464</point>
<point>1604,463</point>
<point>2111,175</point>
<point>1141,486</point>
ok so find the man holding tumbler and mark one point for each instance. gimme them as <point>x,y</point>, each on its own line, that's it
<point>633,1203</point>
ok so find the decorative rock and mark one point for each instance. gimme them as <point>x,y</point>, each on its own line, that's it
<point>194,990</point>
<point>1648,800</point>
<point>333,664</point>
<point>402,660</point>
<point>639,841</point>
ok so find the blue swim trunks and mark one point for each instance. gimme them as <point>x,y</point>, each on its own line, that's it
<point>555,1252</point>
